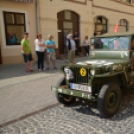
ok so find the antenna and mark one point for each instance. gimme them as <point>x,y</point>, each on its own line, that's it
<point>116,27</point>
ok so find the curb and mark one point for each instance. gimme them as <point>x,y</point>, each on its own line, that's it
<point>28,115</point>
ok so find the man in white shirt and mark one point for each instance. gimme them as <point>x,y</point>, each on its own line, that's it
<point>71,47</point>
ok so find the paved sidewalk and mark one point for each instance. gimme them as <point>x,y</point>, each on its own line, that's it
<point>23,93</point>
<point>15,73</point>
<point>25,98</point>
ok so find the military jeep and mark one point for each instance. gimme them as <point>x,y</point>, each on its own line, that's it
<point>103,76</point>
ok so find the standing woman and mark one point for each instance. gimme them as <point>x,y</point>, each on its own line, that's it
<point>86,45</point>
<point>40,48</point>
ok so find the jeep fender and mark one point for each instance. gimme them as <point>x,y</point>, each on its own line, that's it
<point>118,77</point>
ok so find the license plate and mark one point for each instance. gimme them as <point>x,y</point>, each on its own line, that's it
<point>80,87</point>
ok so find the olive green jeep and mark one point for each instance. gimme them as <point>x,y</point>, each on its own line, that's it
<point>103,76</point>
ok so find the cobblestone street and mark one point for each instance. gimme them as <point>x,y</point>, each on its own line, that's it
<point>28,106</point>
<point>77,119</point>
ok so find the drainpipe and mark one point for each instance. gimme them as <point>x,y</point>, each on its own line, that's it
<point>37,16</point>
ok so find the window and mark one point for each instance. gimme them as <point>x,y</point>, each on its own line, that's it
<point>129,1</point>
<point>123,25</point>
<point>14,27</point>
<point>100,24</point>
<point>113,43</point>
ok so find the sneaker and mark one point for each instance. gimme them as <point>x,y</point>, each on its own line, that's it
<point>43,69</point>
<point>47,68</point>
<point>55,68</point>
<point>87,54</point>
<point>39,69</point>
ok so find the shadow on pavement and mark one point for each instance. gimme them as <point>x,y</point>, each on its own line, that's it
<point>125,112</point>
<point>17,70</point>
<point>86,107</point>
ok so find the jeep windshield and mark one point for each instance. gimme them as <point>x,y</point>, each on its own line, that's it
<point>110,43</point>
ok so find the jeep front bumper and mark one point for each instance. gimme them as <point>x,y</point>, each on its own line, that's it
<point>75,93</point>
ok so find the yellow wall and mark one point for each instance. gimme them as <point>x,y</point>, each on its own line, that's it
<point>113,11</point>
<point>12,54</point>
<point>47,19</point>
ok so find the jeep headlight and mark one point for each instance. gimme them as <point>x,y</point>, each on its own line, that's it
<point>92,72</point>
<point>69,74</point>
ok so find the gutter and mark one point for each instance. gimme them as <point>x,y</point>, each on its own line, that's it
<point>37,15</point>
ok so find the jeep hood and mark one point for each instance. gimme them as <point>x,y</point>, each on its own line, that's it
<point>94,63</point>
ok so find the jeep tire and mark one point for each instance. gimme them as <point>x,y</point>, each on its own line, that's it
<point>109,100</point>
<point>62,98</point>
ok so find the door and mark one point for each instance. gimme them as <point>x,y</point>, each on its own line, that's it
<point>67,21</point>
<point>0,56</point>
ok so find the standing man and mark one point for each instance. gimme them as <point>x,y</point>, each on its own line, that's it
<point>76,39</point>
<point>67,36</point>
<point>26,51</point>
<point>71,47</point>
<point>50,47</point>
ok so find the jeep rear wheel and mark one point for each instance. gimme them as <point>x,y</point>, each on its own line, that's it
<point>62,98</point>
<point>109,99</point>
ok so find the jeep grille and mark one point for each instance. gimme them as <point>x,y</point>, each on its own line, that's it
<point>77,77</point>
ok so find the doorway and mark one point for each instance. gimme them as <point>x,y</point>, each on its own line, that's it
<point>0,56</point>
<point>67,21</point>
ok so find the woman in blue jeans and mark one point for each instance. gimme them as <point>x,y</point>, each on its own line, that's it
<point>40,48</point>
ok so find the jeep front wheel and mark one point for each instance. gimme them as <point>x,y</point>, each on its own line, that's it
<point>109,99</point>
<point>62,98</point>
<point>65,99</point>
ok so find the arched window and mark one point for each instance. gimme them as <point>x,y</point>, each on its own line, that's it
<point>123,25</point>
<point>100,24</point>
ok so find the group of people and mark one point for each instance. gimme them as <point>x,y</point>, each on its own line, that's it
<point>72,45</point>
<point>40,47</point>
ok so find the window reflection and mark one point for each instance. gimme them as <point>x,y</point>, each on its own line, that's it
<point>113,43</point>
<point>14,27</point>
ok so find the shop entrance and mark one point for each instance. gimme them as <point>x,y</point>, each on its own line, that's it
<point>67,21</point>
<point>0,56</point>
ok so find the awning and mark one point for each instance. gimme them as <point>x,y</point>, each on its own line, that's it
<point>27,1</point>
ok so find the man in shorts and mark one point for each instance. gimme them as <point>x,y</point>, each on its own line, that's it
<point>26,52</point>
<point>50,48</point>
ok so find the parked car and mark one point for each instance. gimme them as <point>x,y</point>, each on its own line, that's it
<point>103,76</point>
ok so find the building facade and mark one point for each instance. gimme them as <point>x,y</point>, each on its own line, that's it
<point>16,17</point>
<point>57,17</point>
<point>84,16</point>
